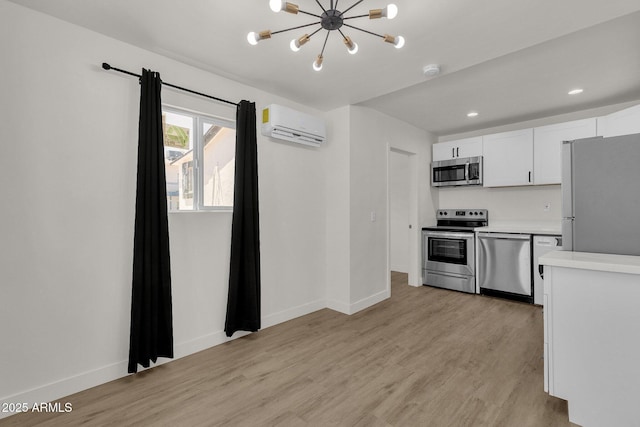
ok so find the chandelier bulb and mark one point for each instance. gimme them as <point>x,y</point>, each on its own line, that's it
<point>279,5</point>
<point>317,64</point>
<point>276,5</point>
<point>389,12</point>
<point>297,43</point>
<point>253,38</point>
<point>352,47</point>
<point>397,41</point>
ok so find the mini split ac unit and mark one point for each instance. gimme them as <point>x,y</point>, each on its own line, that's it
<point>284,123</point>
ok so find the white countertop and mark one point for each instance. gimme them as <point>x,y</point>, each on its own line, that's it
<point>526,227</point>
<point>592,261</point>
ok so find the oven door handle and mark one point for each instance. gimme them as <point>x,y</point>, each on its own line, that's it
<point>449,234</point>
<point>466,171</point>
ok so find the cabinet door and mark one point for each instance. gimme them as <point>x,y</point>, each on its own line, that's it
<point>467,147</point>
<point>623,122</point>
<point>508,158</point>
<point>547,147</point>
<point>444,150</point>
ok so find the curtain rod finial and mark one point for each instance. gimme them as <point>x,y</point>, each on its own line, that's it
<point>106,66</point>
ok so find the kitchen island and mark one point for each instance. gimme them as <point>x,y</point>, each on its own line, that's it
<point>592,335</point>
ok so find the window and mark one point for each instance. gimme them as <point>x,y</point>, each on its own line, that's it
<point>199,154</point>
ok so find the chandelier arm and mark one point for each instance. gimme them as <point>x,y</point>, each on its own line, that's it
<point>311,14</point>
<point>357,16</point>
<point>315,32</point>
<point>321,6</point>
<point>364,31</point>
<point>335,6</point>
<point>352,6</point>
<point>325,43</point>
<point>295,28</point>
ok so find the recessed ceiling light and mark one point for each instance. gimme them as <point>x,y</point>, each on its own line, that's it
<point>575,91</point>
<point>472,114</point>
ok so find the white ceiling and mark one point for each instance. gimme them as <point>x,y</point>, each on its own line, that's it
<point>510,60</point>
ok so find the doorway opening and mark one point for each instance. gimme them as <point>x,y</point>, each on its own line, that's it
<point>404,236</point>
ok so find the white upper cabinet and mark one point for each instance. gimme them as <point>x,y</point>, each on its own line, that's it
<point>508,158</point>
<point>467,147</point>
<point>547,147</point>
<point>619,123</point>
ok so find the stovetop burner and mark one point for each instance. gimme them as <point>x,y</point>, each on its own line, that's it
<point>461,219</point>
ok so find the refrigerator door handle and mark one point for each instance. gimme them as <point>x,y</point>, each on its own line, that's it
<point>567,234</point>
<point>567,183</point>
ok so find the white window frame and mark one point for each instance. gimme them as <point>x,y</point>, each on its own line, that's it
<point>199,119</point>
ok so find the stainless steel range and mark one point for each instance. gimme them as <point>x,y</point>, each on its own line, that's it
<point>448,249</point>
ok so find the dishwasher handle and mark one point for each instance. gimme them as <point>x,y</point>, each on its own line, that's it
<point>507,236</point>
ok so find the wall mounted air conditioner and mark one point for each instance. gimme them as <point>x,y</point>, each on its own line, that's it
<point>291,125</point>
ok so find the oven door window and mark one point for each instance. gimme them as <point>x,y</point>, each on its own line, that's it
<point>449,250</point>
<point>448,173</point>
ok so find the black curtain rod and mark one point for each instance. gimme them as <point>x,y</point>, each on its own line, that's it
<point>109,67</point>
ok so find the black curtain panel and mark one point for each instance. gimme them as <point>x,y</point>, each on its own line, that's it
<point>151,318</point>
<point>243,304</point>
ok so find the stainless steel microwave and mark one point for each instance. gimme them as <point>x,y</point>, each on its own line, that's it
<point>463,171</point>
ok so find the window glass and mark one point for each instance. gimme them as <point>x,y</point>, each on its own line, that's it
<point>199,161</point>
<point>219,164</point>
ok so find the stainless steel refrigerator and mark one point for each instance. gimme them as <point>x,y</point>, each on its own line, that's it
<point>601,195</point>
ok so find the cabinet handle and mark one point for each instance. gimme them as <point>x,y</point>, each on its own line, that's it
<point>453,152</point>
<point>529,176</point>
<point>457,151</point>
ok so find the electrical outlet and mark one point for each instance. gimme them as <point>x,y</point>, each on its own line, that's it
<point>373,216</point>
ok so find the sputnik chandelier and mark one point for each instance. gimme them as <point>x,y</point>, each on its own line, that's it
<point>331,19</point>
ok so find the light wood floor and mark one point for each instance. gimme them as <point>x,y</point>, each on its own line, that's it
<point>425,357</point>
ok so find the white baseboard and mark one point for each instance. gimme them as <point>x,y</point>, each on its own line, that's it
<point>83,381</point>
<point>369,301</point>
<point>292,313</point>
<point>357,306</point>
<point>339,306</point>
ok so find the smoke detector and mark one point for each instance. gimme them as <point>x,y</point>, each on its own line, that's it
<point>431,70</point>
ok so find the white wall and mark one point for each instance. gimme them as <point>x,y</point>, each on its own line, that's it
<point>68,166</point>
<point>337,210</point>
<point>508,203</point>
<point>399,180</point>
<point>372,135</point>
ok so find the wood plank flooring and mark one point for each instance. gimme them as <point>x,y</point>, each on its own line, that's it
<point>425,357</point>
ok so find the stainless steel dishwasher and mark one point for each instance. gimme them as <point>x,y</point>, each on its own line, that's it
<point>504,265</point>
